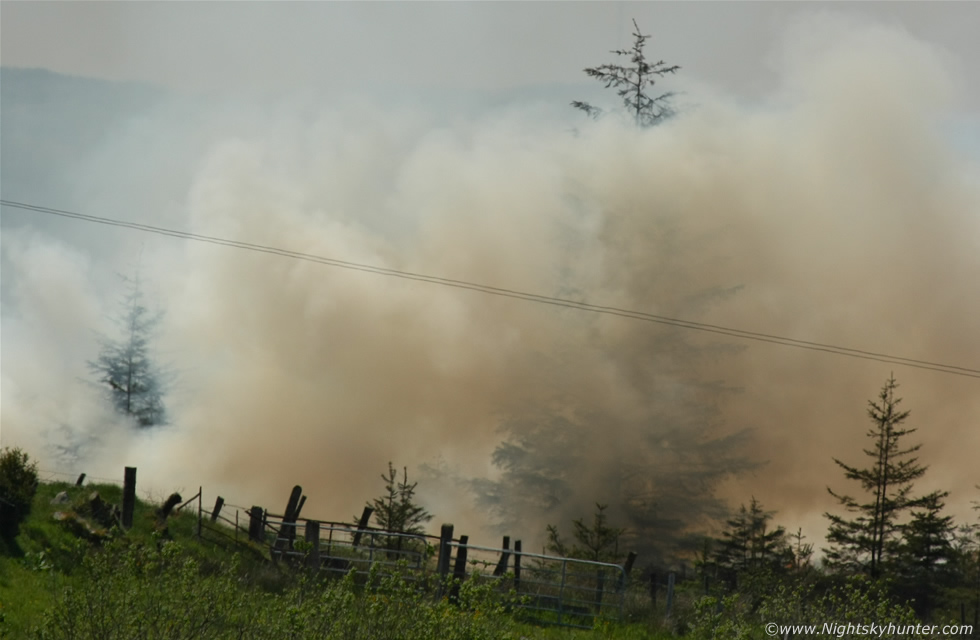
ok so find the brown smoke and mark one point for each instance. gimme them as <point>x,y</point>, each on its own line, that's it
<point>839,208</point>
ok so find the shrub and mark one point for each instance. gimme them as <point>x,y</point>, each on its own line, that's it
<point>858,601</point>
<point>18,483</point>
<point>157,592</point>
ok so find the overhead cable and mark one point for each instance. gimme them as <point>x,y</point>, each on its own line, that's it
<point>512,293</point>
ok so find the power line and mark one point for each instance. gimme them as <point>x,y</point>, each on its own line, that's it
<point>512,293</point>
<point>75,475</point>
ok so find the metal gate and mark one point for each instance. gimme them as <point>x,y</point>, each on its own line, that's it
<point>551,589</point>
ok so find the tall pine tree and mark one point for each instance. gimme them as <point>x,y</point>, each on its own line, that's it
<point>867,540</point>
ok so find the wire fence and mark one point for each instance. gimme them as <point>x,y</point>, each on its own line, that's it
<point>546,589</point>
<point>342,547</point>
<point>80,479</point>
<point>570,592</point>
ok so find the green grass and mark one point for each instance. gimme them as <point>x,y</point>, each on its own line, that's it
<point>37,565</point>
<point>175,584</point>
<point>25,594</point>
<point>42,559</point>
<point>48,556</point>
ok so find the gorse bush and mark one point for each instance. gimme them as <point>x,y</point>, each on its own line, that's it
<point>18,483</point>
<point>133,591</point>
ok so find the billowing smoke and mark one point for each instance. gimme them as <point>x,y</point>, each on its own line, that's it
<point>838,210</point>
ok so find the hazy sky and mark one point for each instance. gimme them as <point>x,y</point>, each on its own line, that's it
<point>287,46</point>
<point>822,172</point>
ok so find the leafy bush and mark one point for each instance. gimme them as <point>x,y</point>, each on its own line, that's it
<point>858,601</point>
<point>18,483</point>
<point>721,619</point>
<point>159,593</point>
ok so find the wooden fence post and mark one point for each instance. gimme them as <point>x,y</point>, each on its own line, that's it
<point>220,502</point>
<point>628,565</point>
<point>129,497</point>
<point>293,502</point>
<point>164,511</point>
<point>445,552</point>
<point>313,537</point>
<point>362,524</point>
<point>627,569</point>
<point>501,567</point>
<point>459,571</point>
<point>517,566</point>
<point>653,589</point>
<point>670,593</point>
<point>287,530</point>
<point>600,585</point>
<point>81,479</point>
<point>200,509</point>
<point>256,517</point>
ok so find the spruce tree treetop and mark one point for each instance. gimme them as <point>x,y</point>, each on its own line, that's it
<point>633,83</point>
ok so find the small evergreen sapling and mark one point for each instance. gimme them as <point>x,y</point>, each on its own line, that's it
<point>397,510</point>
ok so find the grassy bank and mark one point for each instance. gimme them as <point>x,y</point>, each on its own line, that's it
<point>66,576</point>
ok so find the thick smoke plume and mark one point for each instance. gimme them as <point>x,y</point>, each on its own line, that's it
<point>837,211</point>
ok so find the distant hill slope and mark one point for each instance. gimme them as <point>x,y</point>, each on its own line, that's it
<point>49,122</point>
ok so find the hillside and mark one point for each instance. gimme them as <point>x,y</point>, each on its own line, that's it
<point>45,557</point>
<point>66,576</point>
<point>52,122</point>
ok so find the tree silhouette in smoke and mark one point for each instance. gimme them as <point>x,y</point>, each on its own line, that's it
<point>651,441</point>
<point>133,383</point>
<point>632,84</point>
<point>658,475</point>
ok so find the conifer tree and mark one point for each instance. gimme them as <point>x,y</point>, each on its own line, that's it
<point>966,566</point>
<point>802,552</point>
<point>924,561</point>
<point>749,544</point>
<point>633,83</point>
<point>397,510</point>
<point>868,539</point>
<point>133,382</point>
<point>598,542</point>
